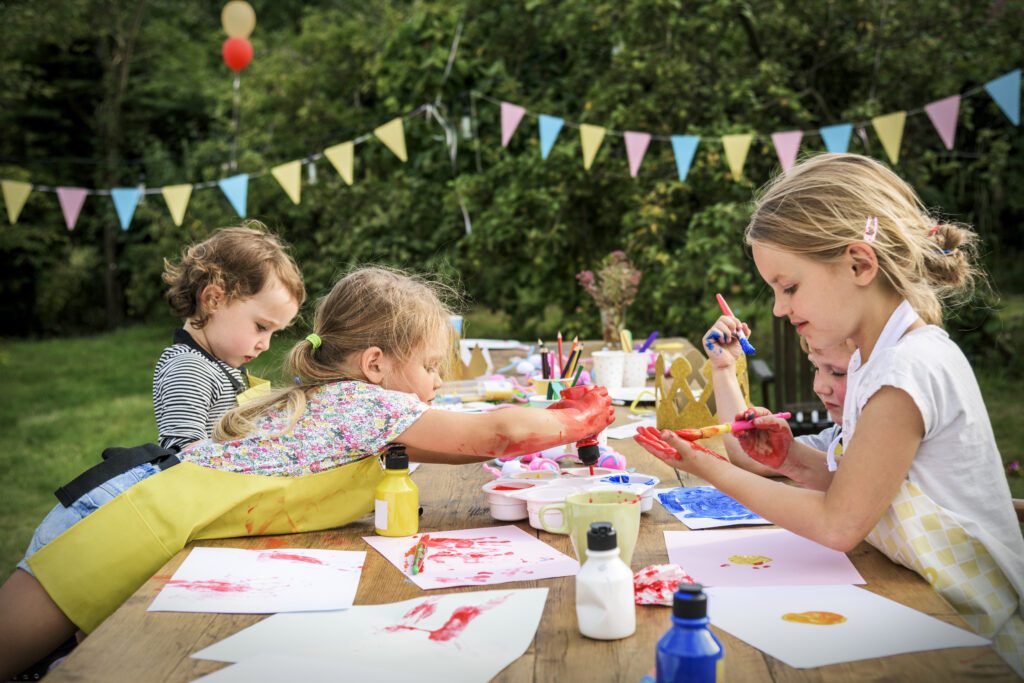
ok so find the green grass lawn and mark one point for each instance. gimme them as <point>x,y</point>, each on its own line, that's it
<point>64,401</point>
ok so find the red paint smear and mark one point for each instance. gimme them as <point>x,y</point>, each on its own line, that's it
<point>274,543</point>
<point>162,578</point>
<point>289,556</point>
<point>422,610</point>
<point>456,624</point>
<point>211,586</point>
<point>251,508</point>
<point>703,449</point>
<point>511,488</point>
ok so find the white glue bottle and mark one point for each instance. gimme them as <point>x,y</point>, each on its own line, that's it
<point>605,606</point>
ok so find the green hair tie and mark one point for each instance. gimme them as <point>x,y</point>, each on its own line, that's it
<point>315,340</point>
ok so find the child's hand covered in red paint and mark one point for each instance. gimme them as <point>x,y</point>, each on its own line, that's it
<point>593,408</point>
<point>668,447</point>
<point>769,442</point>
<point>722,342</point>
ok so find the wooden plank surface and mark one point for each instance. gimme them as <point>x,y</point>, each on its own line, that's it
<point>135,645</point>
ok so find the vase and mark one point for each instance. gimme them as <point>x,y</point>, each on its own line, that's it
<point>612,323</point>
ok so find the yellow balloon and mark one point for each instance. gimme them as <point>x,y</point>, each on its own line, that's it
<point>238,19</point>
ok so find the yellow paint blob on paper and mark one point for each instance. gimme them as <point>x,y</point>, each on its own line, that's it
<point>749,559</point>
<point>814,618</point>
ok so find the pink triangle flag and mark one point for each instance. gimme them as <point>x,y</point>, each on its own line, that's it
<point>787,144</point>
<point>636,148</point>
<point>71,200</point>
<point>943,114</point>
<point>511,115</point>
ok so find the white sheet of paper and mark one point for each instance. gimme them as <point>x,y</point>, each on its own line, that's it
<point>628,431</point>
<point>476,557</point>
<point>874,626</point>
<point>758,557</point>
<point>446,638</point>
<point>705,507</point>
<point>238,581</point>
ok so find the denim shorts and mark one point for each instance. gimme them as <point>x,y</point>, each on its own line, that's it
<point>61,518</point>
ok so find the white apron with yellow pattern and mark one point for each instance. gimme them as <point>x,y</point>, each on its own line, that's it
<point>98,563</point>
<point>920,535</point>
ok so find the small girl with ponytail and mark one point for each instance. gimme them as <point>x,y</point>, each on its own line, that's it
<point>851,253</point>
<point>302,459</point>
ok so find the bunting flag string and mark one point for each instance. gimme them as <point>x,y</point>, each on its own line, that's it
<point>235,187</point>
<point>943,114</point>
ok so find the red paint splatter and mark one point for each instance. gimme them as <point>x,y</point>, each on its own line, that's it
<point>422,610</point>
<point>275,555</point>
<point>456,624</point>
<point>274,543</point>
<point>161,578</point>
<point>511,488</point>
<point>211,586</point>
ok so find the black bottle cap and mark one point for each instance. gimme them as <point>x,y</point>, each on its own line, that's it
<point>601,536</point>
<point>690,601</point>
<point>396,458</point>
<point>589,454</point>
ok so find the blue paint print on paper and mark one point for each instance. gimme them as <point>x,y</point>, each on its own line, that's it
<point>704,503</point>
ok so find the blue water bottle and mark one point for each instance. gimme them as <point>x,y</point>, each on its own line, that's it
<point>689,651</point>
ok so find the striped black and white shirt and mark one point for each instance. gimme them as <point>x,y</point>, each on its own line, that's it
<point>191,391</point>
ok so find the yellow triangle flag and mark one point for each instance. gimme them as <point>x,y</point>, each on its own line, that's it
<point>736,148</point>
<point>15,195</point>
<point>342,157</point>
<point>591,137</point>
<point>392,134</point>
<point>290,177</point>
<point>890,131</point>
<point>177,197</point>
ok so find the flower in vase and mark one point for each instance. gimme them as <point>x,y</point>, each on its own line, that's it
<point>613,289</point>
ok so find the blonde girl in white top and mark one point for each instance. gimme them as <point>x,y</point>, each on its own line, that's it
<point>850,252</point>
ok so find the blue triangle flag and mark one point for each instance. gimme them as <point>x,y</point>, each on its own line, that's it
<point>1005,90</point>
<point>125,201</point>
<point>684,147</point>
<point>837,137</point>
<point>236,189</point>
<point>549,127</point>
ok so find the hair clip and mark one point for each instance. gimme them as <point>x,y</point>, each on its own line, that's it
<point>871,229</point>
<point>935,229</point>
<point>314,339</point>
<point>947,252</point>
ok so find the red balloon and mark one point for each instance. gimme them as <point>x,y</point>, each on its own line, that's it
<point>237,53</point>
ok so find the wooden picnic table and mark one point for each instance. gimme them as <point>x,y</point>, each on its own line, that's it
<point>136,645</point>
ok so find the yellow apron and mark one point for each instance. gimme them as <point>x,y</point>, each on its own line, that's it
<point>923,536</point>
<point>94,566</point>
<point>258,388</point>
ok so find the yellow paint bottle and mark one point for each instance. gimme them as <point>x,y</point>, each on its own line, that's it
<point>396,498</point>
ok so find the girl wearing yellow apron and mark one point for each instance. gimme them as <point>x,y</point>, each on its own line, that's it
<point>850,253</point>
<point>301,459</point>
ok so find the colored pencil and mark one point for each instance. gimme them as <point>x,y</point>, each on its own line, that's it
<point>561,359</point>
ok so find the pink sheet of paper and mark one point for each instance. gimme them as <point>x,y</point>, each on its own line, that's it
<point>758,557</point>
<point>475,557</point>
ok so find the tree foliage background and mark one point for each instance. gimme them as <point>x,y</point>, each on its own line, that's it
<point>104,93</point>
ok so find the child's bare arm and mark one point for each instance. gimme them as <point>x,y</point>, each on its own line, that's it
<point>583,411</point>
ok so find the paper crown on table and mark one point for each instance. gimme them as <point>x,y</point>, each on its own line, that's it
<point>674,403</point>
<point>476,367</point>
